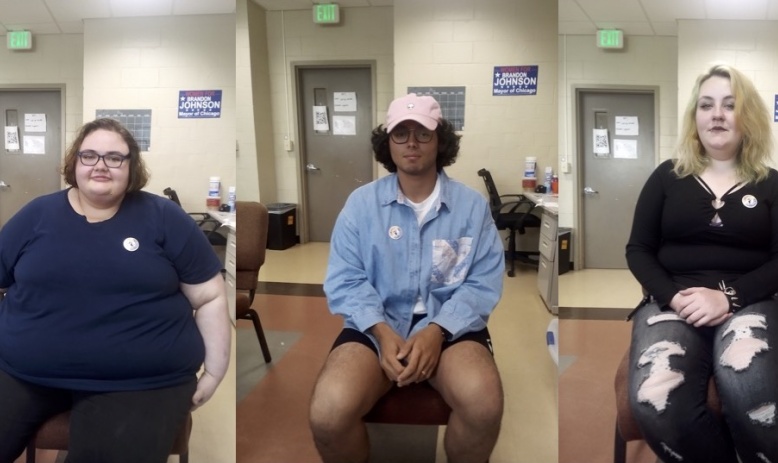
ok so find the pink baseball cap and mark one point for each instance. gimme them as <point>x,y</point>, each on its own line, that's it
<point>423,109</point>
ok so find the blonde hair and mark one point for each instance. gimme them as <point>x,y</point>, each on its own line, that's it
<point>752,119</point>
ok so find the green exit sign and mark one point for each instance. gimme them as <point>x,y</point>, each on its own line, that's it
<point>610,38</point>
<point>326,13</point>
<point>19,40</point>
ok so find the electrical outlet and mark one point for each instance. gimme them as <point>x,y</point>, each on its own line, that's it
<point>288,144</point>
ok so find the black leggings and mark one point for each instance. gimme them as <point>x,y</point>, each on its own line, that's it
<point>105,427</point>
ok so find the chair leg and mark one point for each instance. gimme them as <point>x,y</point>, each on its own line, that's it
<point>512,252</point>
<point>184,457</point>
<point>30,458</point>
<point>619,448</point>
<point>260,335</point>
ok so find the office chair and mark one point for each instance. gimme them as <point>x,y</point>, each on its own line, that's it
<point>54,434</point>
<point>515,216</point>
<point>251,237</point>
<point>207,224</point>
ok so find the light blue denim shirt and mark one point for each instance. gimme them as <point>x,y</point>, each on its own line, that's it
<point>381,259</point>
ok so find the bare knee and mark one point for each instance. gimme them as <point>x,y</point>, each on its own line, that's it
<point>478,400</point>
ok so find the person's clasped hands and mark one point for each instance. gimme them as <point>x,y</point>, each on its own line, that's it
<point>409,361</point>
<point>701,306</point>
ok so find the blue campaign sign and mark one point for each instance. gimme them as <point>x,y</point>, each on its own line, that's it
<point>515,80</point>
<point>775,118</point>
<point>199,104</point>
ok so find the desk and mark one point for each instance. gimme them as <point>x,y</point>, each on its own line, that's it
<point>548,265</point>
<point>227,219</point>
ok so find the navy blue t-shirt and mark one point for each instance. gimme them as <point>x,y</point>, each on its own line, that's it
<point>98,306</point>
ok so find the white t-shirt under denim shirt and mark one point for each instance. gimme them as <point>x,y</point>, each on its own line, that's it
<point>382,259</point>
<point>421,209</point>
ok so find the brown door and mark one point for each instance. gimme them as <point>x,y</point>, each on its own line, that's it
<point>31,153</point>
<point>336,115</point>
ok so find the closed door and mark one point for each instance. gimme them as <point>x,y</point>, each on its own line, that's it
<point>336,156</point>
<point>31,153</point>
<point>617,154</point>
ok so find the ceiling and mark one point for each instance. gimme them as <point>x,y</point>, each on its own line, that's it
<point>655,17</point>
<point>66,16</point>
<point>308,4</point>
<point>634,17</point>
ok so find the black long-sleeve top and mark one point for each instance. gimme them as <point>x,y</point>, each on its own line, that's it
<point>674,246</point>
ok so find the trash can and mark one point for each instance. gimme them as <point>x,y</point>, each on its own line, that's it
<point>563,250</point>
<point>282,226</point>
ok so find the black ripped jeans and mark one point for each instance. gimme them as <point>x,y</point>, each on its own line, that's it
<point>671,363</point>
<point>105,427</point>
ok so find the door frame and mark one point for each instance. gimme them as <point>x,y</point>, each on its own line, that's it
<point>578,180</point>
<point>299,133</point>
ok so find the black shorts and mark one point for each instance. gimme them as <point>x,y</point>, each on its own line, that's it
<point>351,335</point>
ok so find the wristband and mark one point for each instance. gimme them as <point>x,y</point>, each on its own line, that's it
<point>731,294</point>
<point>443,331</point>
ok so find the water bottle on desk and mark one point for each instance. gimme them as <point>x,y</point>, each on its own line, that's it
<point>231,198</point>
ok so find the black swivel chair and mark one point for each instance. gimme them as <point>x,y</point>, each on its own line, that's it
<point>515,216</point>
<point>207,224</point>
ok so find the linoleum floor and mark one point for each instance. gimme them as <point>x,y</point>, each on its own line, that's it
<point>272,418</point>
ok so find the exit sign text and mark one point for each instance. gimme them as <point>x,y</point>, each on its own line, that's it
<point>19,40</point>
<point>326,13</point>
<point>610,38</point>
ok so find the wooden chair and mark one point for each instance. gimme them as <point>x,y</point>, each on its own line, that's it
<point>626,427</point>
<point>251,236</point>
<point>54,434</point>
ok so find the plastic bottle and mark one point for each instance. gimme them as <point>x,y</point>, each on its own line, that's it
<point>214,187</point>
<point>231,198</point>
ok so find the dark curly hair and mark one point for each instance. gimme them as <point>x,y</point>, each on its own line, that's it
<point>448,146</point>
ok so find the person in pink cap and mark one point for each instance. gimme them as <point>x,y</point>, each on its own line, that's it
<point>415,269</point>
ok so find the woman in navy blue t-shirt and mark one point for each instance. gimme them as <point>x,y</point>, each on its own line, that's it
<point>101,282</point>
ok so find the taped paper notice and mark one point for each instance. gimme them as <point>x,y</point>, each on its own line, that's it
<point>345,101</point>
<point>12,138</point>
<point>625,149</point>
<point>35,122</point>
<point>627,125</point>
<point>320,121</point>
<point>34,144</point>
<point>601,145</point>
<point>344,125</point>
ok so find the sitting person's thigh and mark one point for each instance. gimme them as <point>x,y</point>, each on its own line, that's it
<point>467,374</point>
<point>352,379</point>
<point>128,427</point>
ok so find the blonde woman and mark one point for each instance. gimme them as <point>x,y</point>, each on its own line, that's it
<point>704,245</point>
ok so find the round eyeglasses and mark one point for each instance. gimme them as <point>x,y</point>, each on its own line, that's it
<point>111,160</point>
<point>401,135</point>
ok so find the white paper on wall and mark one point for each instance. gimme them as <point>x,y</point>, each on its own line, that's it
<point>625,149</point>
<point>345,101</point>
<point>34,144</point>
<point>12,138</point>
<point>600,139</point>
<point>627,125</point>
<point>344,125</point>
<point>35,122</point>
<point>320,121</point>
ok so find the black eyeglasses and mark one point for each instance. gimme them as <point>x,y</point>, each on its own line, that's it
<point>111,160</point>
<point>401,135</point>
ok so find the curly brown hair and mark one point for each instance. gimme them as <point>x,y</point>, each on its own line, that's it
<point>139,174</point>
<point>448,146</point>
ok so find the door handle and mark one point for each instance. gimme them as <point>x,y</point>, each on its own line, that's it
<point>4,185</point>
<point>590,191</point>
<point>310,167</point>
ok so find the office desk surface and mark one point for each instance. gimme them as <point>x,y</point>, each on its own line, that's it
<point>227,219</point>
<point>548,202</point>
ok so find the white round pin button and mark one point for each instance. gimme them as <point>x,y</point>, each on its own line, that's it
<point>131,244</point>
<point>749,201</point>
<point>395,232</point>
